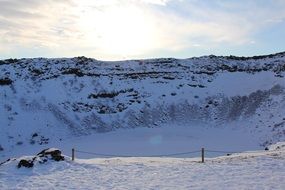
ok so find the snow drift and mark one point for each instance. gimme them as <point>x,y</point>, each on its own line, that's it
<point>248,170</point>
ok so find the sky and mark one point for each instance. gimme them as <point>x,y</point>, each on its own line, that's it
<point>139,29</point>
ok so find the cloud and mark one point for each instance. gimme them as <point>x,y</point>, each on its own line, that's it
<point>112,29</point>
<point>156,2</point>
<point>35,23</point>
<point>220,22</point>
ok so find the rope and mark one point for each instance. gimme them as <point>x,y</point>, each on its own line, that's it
<point>158,155</point>
<point>117,155</point>
<point>220,151</point>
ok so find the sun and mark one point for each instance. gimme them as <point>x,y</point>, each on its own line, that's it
<point>125,30</point>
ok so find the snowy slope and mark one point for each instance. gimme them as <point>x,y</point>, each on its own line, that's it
<point>249,170</point>
<point>54,102</point>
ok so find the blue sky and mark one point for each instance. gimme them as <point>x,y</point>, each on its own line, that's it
<point>130,29</point>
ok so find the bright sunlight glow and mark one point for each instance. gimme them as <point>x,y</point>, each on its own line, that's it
<point>123,30</point>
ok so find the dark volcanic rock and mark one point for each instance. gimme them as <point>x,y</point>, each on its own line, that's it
<point>54,154</point>
<point>5,81</point>
<point>50,154</point>
<point>26,163</point>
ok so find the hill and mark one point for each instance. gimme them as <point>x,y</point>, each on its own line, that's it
<point>54,102</point>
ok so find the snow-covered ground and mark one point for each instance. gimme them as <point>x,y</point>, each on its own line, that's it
<point>218,100</point>
<point>144,108</point>
<point>249,170</point>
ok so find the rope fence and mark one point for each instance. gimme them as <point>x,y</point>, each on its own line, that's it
<point>157,155</point>
<point>202,151</point>
<point>220,151</point>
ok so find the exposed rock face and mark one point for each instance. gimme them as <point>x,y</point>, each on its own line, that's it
<point>50,154</point>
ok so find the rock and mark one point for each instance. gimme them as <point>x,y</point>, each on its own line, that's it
<point>55,154</point>
<point>41,158</point>
<point>1,148</point>
<point>26,163</point>
<point>19,143</point>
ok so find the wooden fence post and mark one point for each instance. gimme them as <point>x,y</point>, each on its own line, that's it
<point>203,155</point>
<point>73,154</point>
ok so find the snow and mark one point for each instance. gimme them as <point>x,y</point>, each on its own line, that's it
<point>246,83</point>
<point>249,170</point>
<point>45,105</point>
<point>161,106</point>
<point>153,141</point>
